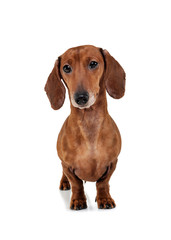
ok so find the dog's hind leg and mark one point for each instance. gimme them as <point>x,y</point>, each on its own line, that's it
<point>64,183</point>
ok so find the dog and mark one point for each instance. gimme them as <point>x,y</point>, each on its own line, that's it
<point>89,142</point>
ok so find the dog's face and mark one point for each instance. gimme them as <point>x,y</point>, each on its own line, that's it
<point>82,69</point>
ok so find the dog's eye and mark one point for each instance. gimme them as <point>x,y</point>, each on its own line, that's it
<point>67,68</point>
<point>93,64</point>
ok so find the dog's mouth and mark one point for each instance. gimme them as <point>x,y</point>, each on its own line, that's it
<point>83,100</point>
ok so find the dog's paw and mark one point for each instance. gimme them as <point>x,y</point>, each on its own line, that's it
<point>78,204</point>
<point>64,185</point>
<point>105,203</point>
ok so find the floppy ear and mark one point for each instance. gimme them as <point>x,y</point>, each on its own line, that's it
<point>54,87</point>
<point>114,76</point>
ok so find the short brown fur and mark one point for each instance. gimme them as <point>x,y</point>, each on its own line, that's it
<point>89,142</point>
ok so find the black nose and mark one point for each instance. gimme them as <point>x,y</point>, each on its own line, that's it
<point>81,98</point>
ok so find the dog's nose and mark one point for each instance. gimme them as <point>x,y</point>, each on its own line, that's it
<point>81,98</point>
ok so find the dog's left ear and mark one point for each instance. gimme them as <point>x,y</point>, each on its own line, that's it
<point>114,76</point>
<point>54,87</point>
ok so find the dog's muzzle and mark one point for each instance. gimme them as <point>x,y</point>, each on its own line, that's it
<point>81,98</point>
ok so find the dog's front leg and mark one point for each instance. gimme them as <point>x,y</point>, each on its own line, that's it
<point>103,198</point>
<point>78,199</point>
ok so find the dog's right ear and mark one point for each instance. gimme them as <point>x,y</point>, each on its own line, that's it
<point>54,87</point>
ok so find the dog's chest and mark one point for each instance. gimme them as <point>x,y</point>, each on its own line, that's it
<point>89,149</point>
<point>89,164</point>
<point>90,159</point>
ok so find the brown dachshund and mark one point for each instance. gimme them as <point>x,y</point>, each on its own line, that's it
<point>89,142</point>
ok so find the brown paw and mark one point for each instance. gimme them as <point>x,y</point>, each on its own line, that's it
<point>106,203</point>
<point>64,186</point>
<point>78,204</point>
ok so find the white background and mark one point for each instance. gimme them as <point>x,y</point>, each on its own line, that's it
<point>33,35</point>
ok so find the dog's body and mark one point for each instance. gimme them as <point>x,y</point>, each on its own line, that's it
<point>91,145</point>
<point>89,141</point>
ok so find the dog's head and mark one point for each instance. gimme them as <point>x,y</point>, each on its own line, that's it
<point>82,68</point>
